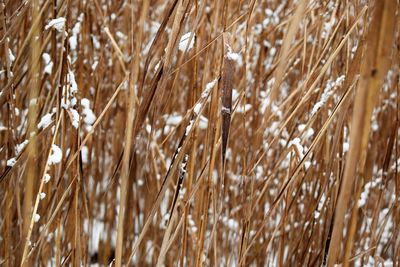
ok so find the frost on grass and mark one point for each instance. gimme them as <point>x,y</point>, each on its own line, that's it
<point>225,110</point>
<point>58,24</point>
<point>186,41</point>
<point>69,100</point>
<point>75,118</point>
<point>72,82</point>
<point>88,115</point>
<point>197,108</point>
<point>11,162</point>
<point>85,154</point>
<point>56,155</point>
<point>346,147</point>
<point>236,57</point>
<point>189,127</point>
<point>20,147</point>
<point>244,109</point>
<point>11,55</point>
<point>372,262</point>
<point>46,178</point>
<point>321,204</point>
<point>122,36</point>
<point>96,42</point>
<point>327,93</point>
<point>36,217</point>
<point>208,88</point>
<point>45,121</point>
<point>306,133</point>
<point>296,143</point>
<point>94,65</point>
<point>48,68</point>
<point>367,187</point>
<point>174,119</point>
<point>203,123</point>
<point>273,132</point>
<point>233,56</point>
<point>307,164</point>
<point>73,39</point>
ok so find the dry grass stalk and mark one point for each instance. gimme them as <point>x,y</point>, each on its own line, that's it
<point>374,68</point>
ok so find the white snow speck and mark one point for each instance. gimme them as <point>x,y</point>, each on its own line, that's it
<point>197,108</point>
<point>226,110</point>
<point>56,155</point>
<point>11,162</point>
<point>209,86</point>
<point>203,123</point>
<point>243,109</point>
<point>96,42</point>
<point>307,164</point>
<point>36,217</point>
<point>307,133</point>
<point>89,117</point>
<point>85,154</point>
<point>45,121</point>
<point>301,127</point>
<point>46,178</point>
<point>296,143</point>
<point>233,56</point>
<point>11,55</point>
<point>73,40</point>
<point>42,195</point>
<point>374,126</point>
<point>235,95</point>
<point>58,24</point>
<point>121,35</point>
<point>75,118</point>
<point>233,225</point>
<point>20,147</point>
<point>174,120</point>
<point>184,42</point>
<point>49,64</point>
<point>94,65</point>
<point>72,81</point>
<point>33,102</point>
<point>327,93</point>
<point>189,127</point>
<point>346,147</point>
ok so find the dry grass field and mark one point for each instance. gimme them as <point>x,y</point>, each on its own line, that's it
<point>199,133</point>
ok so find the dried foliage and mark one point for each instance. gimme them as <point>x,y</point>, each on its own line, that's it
<point>199,133</point>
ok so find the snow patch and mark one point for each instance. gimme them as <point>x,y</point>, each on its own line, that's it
<point>11,162</point>
<point>20,147</point>
<point>57,23</point>
<point>55,156</point>
<point>184,42</point>
<point>45,121</point>
<point>296,143</point>
<point>174,120</point>
<point>48,68</point>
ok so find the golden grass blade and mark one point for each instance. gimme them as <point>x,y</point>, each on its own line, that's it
<point>128,135</point>
<point>286,44</point>
<point>374,68</point>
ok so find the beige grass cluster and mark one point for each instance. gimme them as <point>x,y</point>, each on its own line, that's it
<point>199,133</point>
